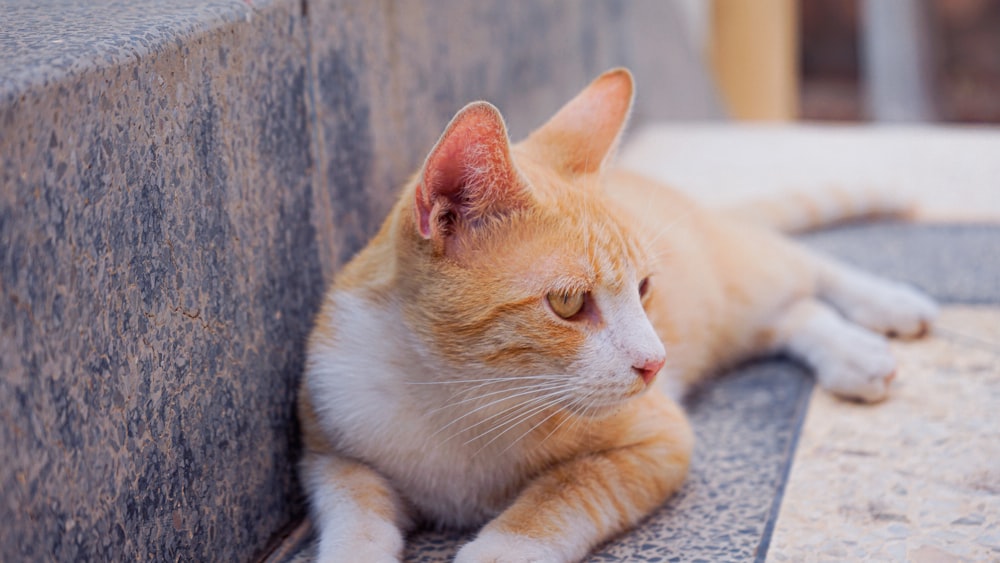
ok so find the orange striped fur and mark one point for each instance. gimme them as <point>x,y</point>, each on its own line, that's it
<point>442,387</point>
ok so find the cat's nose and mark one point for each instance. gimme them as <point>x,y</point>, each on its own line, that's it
<point>648,370</point>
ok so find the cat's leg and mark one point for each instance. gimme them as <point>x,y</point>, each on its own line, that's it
<point>884,306</point>
<point>358,516</point>
<point>848,360</point>
<point>563,513</point>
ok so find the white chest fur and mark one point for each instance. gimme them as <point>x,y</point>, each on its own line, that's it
<point>367,385</point>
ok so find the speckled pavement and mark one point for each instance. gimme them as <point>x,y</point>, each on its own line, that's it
<point>914,479</point>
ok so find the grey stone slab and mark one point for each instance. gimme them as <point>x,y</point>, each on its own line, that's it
<point>158,268</point>
<point>46,40</point>
<point>954,263</point>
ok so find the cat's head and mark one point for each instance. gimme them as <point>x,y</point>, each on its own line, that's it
<point>514,263</point>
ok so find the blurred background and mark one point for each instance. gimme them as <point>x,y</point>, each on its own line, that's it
<point>854,60</point>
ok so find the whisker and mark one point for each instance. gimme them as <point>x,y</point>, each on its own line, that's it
<point>558,426</point>
<point>531,389</point>
<point>513,423</point>
<point>532,429</point>
<point>547,380</point>
<point>674,223</point>
<point>585,413</point>
<point>485,380</point>
<point>510,413</point>
<point>524,410</point>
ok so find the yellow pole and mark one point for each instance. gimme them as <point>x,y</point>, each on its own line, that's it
<point>754,52</point>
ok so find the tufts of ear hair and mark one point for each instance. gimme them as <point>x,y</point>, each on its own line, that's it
<point>468,176</point>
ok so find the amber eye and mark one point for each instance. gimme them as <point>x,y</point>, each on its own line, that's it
<point>565,304</point>
<point>644,286</point>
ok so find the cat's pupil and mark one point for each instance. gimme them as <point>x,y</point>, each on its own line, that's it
<point>566,304</point>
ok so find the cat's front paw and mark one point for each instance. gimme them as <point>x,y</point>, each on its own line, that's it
<point>496,547</point>
<point>887,307</point>
<point>370,540</point>
<point>858,365</point>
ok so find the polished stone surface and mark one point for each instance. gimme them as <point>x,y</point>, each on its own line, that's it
<point>916,478</point>
<point>178,182</point>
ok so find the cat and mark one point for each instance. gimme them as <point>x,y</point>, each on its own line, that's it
<point>507,351</point>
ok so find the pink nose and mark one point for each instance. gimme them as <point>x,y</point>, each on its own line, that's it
<point>648,370</point>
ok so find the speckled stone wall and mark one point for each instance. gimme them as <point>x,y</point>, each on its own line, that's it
<point>178,181</point>
<point>157,273</point>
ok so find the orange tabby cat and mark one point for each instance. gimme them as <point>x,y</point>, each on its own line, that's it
<point>490,358</point>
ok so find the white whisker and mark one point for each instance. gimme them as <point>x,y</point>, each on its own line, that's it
<point>649,243</point>
<point>513,423</point>
<point>532,429</point>
<point>548,388</point>
<point>510,413</point>
<point>485,380</point>
<point>530,388</point>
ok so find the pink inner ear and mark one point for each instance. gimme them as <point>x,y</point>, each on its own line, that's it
<point>467,172</point>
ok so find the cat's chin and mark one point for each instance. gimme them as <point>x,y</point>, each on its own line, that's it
<point>600,410</point>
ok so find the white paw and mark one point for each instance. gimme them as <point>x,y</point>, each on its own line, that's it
<point>857,364</point>
<point>887,307</point>
<point>371,540</point>
<point>495,547</point>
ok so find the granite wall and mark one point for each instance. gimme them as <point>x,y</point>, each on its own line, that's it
<point>178,181</point>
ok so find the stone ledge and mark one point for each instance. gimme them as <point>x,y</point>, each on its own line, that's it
<point>48,43</point>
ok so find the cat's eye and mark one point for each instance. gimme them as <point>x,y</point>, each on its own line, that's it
<point>566,304</point>
<point>644,286</point>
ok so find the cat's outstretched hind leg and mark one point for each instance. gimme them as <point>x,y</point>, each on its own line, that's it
<point>849,360</point>
<point>881,305</point>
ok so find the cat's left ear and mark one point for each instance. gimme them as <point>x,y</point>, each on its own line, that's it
<point>583,135</point>
<point>468,176</point>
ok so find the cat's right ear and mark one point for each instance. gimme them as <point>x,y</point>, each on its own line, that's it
<point>468,176</point>
<point>584,134</point>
